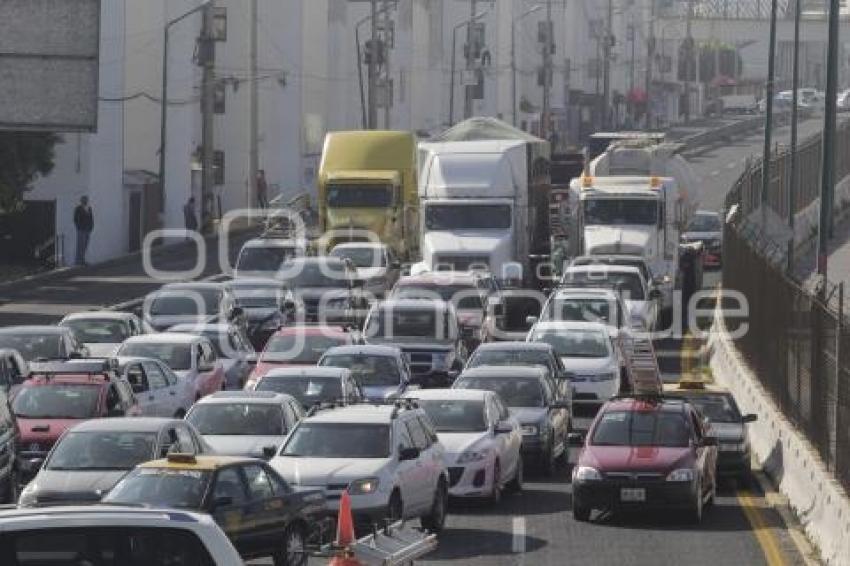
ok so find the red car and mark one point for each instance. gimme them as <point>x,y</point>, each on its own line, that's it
<point>646,453</point>
<point>300,345</point>
<point>60,394</point>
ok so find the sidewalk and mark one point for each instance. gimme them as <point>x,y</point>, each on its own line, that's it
<point>48,297</point>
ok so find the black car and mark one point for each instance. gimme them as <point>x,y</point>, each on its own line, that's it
<point>8,452</point>
<point>428,333</point>
<point>327,287</point>
<point>194,302</point>
<point>258,510</point>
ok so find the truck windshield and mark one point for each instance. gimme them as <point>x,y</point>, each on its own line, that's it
<point>468,216</point>
<point>611,212</point>
<point>357,196</point>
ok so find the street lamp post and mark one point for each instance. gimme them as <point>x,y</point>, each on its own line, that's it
<point>163,103</point>
<point>513,56</point>
<point>359,55</point>
<point>468,22</point>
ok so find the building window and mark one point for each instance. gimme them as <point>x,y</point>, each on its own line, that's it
<point>218,167</point>
<point>219,27</point>
<point>220,98</point>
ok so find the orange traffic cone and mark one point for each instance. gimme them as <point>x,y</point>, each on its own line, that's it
<point>344,534</point>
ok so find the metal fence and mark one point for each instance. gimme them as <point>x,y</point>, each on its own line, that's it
<point>732,9</point>
<point>798,340</point>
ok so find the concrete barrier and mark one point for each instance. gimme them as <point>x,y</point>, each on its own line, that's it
<point>741,127</point>
<point>818,500</point>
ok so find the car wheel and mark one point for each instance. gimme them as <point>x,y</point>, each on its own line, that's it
<point>581,513</point>
<point>515,485</point>
<point>395,509</point>
<point>436,519</point>
<point>696,508</point>
<point>293,551</point>
<point>496,494</point>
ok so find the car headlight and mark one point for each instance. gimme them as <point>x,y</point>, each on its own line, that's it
<point>610,376</point>
<point>681,475</point>
<point>364,486</point>
<point>586,473</point>
<point>529,430</point>
<point>473,456</point>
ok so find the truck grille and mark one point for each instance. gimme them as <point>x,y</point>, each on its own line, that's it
<point>461,262</point>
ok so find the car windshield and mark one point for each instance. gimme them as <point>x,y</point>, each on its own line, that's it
<point>33,346</point>
<point>102,450</point>
<point>176,356</point>
<point>603,261</point>
<point>56,401</point>
<point>579,310</point>
<point>338,440</point>
<point>575,343</point>
<point>409,325</point>
<point>360,196</point>
<point>716,408</point>
<point>178,303</point>
<point>299,348</point>
<point>161,487</point>
<point>641,428</point>
<point>705,223</point>
<point>629,285</point>
<point>468,216</point>
<point>263,258</point>
<point>462,296</point>
<point>611,212</point>
<point>515,391</point>
<point>100,331</point>
<point>509,358</point>
<point>456,416</point>
<point>326,274</point>
<point>308,390</point>
<point>237,419</point>
<point>258,296</point>
<point>367,370</point>
<point>361,257</point>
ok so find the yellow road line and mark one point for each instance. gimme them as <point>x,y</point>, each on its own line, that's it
<point>752,508</point>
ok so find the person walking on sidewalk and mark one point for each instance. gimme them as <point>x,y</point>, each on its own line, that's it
<point>262,189</point>
<point>189,216</point>
<point>84,223</point>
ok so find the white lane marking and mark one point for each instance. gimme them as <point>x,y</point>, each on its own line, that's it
<point>518,543</point>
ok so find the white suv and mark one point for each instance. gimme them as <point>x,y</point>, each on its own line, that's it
<point>99,534</point>
<point>387,456</point>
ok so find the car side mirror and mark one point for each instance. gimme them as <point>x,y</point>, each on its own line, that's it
<point>531,320</point>
<point>406,454</point>
<point>709,441</point>
<point>750,418</point>
<point>575,439</point>
<point>269,452</point>
<point>220,502</point>
<point>504,427</point>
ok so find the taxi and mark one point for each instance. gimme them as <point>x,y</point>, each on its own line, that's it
<point>717,405</point>
<point>258,510</point>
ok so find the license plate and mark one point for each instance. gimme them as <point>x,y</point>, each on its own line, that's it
<point>632,495</point>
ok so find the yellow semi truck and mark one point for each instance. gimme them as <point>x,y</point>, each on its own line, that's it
<point>367,183</point>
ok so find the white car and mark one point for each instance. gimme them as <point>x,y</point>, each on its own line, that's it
<point>481,438</point>
<point>388,457</point>
<point>53,535</point>
<point>374,262</point>
<point>158,390</point>
<point>102,332</point>
<point>232,346</point>
<point>245,423</point>
<point>592,360</point>
<point>192,358</point>
<point>641,303</point>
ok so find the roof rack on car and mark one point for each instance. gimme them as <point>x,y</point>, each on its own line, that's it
<point>97,366</point>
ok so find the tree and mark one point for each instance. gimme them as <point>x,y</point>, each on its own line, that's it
<point>24,156</point>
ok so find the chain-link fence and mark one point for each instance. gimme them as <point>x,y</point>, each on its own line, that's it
<point>798,339</point>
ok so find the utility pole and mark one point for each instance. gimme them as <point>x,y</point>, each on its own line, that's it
<point>207,114</point>
<point>792,175</point>
<point>387,35</point>
<point>606,70</point>
<point>467,89</point>
<point>254,159</point>
<point>373,67</point>
<point>650,59</point>
<point>828,148</point>
<point>547,73</point>
<point>689,63</point>
<point>768,125</point>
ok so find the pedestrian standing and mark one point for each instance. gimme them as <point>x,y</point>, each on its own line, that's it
<point>262,189</point>
<point>189,217</point>
<point>84,223</point>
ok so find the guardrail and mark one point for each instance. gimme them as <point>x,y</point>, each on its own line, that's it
<point>738,128</point>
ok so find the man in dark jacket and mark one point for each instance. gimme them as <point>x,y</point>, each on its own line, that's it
<point>84,222</point>
<point>189,215</point>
